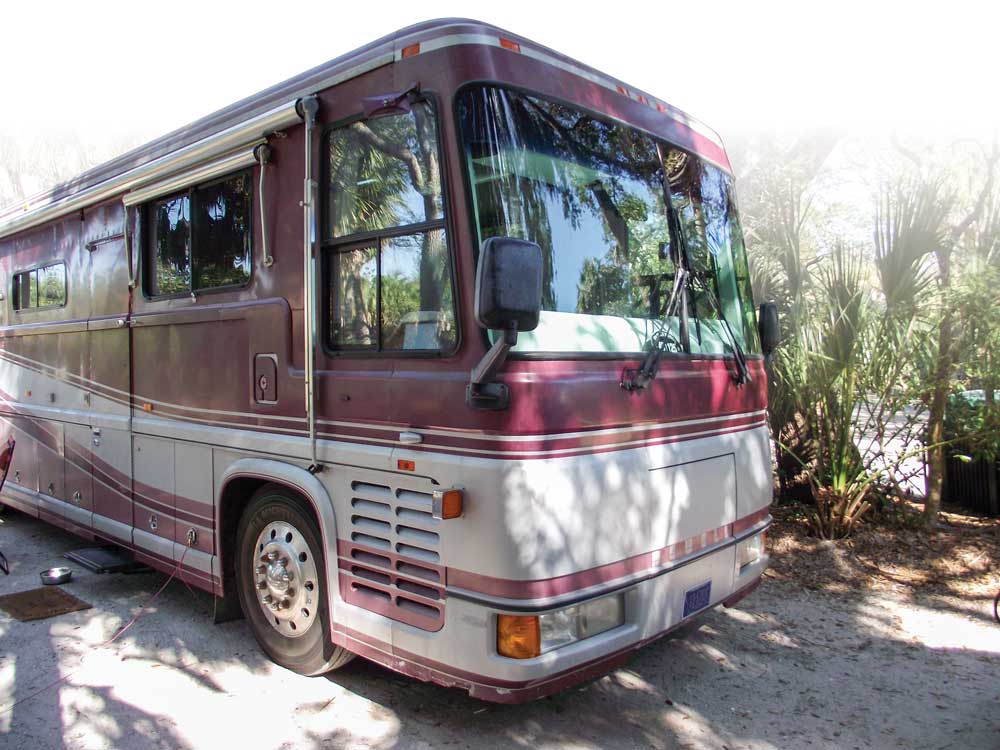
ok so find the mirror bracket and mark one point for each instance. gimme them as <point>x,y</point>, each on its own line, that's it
<point>490,396</point>
<point>481,393</point>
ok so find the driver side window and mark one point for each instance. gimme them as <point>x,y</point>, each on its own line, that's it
<point>386,262</point>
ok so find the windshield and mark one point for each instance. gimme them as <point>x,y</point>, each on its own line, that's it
<point>592,194</point>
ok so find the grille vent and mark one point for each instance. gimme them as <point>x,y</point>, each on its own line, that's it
<point>391,563</point>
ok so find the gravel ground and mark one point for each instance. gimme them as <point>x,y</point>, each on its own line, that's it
<point>788,668</point>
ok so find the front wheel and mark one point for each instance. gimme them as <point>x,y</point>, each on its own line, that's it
<point>281,580</point>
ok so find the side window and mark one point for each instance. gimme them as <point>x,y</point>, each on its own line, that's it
<point>199,239</point>
<point>40,287</point>
<point>388,270</point>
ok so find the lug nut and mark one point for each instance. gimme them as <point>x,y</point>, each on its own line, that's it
<point>261,585</point>
<point>261,569</point>
<point>284,561</point>
<point>263,558</point>
<point>272,555</point>
<point>289,592</point>
<point>267,599</point>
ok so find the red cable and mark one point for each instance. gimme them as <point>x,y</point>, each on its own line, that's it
<point>111,640</point>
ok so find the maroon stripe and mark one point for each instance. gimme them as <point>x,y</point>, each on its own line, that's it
<point>742,594</point>
<point>346,548</point>
<point>79,458</point>
<point>483,686</point>
<point>166,565</point>
<point>507,453</point>
<point>571,582</point>
<point>225,420</point>
<point>597,437</point>
<point>742,524</point>
<point>358,593</point>
<point>154,494</point>
<point>522,449</point>
<point>353,589</point>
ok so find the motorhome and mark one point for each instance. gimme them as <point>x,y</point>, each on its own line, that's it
<point>442,354</point>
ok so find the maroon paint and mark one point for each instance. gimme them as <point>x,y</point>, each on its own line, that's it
<point>198,353</point>
<point>352,558</point>
<point>485,687</point>
<point>742,594</point>
<point>571,582</point>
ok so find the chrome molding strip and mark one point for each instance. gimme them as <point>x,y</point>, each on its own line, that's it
<point>601,589</point>
<point>528,50</point>
<point>242,158</point>
<point>45,208</point>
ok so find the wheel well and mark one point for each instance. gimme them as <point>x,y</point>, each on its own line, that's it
<point>236,496</point>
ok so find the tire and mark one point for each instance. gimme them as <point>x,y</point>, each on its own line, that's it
<point>279,546</point>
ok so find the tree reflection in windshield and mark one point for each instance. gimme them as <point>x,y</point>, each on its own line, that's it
<point>591,194</point>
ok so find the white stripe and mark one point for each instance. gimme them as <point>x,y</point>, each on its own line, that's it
<point>55,372</point>
<point>490,40</point>
<point>483,435</point>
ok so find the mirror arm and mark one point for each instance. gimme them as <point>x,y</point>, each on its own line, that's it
<point>481,392</point>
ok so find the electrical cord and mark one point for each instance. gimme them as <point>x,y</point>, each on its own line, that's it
<point>112,639</point>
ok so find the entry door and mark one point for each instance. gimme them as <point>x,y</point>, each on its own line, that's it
<point>107,441</point>
<point>79,481</point>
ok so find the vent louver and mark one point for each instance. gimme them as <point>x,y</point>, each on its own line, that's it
<point>391,563</point>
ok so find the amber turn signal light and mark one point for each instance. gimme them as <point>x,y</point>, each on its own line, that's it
<point>447,504</point>
<point>518,636</point>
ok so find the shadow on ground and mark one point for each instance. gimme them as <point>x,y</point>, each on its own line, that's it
<point>789,668</point>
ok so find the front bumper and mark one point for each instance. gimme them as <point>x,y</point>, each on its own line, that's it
<point>463,653</point>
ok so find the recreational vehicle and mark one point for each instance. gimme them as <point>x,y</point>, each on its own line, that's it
<point>442,354</point>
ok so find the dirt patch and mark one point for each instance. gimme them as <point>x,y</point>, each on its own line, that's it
<point>958,559</point>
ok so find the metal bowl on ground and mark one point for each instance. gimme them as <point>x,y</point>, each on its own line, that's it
<point>54,576</point>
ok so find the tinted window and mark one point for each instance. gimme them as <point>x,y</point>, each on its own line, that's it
<point>52,285</point>
<point>40,287</point>
<point>390,290</point>
<point>201,239</point>
<point>354,298</point>
<point>592,194</point>
<point>702,197</point>
<point>393,295</point>
<point>384,173</point>
<point>171,234</point>
<point>222,234</point>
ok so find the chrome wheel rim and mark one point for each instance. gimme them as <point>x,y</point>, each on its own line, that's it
<point>285,579</point>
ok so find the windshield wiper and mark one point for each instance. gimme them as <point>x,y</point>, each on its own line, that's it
<point>742,374</point>
<point>636,380</point>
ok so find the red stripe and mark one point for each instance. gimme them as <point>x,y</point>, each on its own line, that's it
<point>571,582</point>
<point>486,687</point>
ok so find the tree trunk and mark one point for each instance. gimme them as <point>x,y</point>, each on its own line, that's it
<point>939,400</point>
<point>993,492</point>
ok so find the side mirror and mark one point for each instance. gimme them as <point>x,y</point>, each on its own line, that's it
<point>768,327</point>
<point>509,285</point>
<point>509,299</point>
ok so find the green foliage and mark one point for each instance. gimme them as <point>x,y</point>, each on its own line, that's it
<point>972,426</point>
<point>860,351</point>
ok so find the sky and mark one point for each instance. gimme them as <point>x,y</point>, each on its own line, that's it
<point>105,70</point>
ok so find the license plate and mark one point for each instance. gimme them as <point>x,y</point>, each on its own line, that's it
<point>697,598</point>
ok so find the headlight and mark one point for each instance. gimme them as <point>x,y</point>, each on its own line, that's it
<point>520,637</point>
<point>749,551</point>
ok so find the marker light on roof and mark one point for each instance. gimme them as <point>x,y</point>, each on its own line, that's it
<point>509,44</point>
<point>411,50</point>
